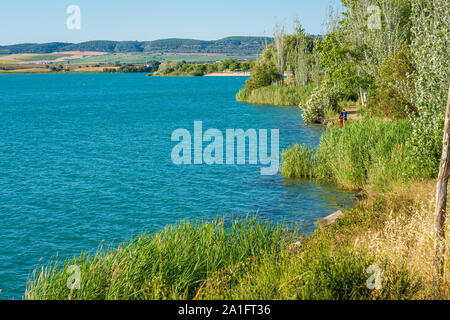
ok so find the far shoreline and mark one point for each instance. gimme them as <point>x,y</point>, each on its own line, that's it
<point>228,74</point>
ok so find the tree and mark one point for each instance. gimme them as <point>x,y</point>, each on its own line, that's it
<point>265,71</point>
<point>245,67</point>
<point>280,52</point>
<point>391,92</point>
<point>375,30</point>
<point>340,64</point>
<point>429,46</point>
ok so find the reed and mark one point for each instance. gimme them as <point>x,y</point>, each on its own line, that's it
<point>276,95</point>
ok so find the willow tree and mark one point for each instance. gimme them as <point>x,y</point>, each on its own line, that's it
<point>298,51</point>
<point>430,43</point>
<point>376,30</point>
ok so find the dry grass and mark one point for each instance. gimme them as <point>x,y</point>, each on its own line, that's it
<point>406,235</point>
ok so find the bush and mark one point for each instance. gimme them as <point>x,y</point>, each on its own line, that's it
<point>393,87</point>
<point>322,101</point>
<point>265,72</point>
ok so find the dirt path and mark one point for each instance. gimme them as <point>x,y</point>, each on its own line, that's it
<point>353,113</point>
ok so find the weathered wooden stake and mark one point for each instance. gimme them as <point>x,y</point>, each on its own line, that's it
<point>441,200</point>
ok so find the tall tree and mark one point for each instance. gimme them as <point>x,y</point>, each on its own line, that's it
<point>280,38</point>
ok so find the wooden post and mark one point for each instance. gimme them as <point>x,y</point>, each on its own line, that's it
<point>441,200</point>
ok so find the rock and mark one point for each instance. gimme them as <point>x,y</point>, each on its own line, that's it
<point>330,219</point>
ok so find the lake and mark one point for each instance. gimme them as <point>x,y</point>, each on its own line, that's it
<point>86,158</point>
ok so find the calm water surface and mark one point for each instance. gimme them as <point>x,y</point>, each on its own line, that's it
<point>86,158</point>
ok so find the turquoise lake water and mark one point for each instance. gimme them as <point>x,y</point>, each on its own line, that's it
<point>86,158</point>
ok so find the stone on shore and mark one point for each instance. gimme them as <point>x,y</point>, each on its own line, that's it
<point>330,219</point>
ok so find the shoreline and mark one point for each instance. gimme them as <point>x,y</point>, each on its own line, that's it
<point>228,74</point>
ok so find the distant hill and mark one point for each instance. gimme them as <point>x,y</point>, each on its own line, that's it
<point>231,45</point>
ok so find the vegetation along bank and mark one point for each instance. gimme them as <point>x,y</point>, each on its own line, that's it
<point>380,249</point>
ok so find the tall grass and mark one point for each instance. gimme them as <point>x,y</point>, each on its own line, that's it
<point>298,162</point>
<point>367,153</point>
<point>276,95</point>
<point>391,232</point>
<point>169,265</point>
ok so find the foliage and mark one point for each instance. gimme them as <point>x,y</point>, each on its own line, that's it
<point>431,56</point>
<point>393,87</point>
<point>297,162</point>
<point>179,68</point>
<point>364,154</point>
<point>323,100</point>
<point>339,61</point>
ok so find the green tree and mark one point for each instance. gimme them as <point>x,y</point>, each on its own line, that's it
<point>339,61</point>
<point>264,72</point>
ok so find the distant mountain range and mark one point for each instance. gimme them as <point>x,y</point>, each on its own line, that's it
<point>230,45</point>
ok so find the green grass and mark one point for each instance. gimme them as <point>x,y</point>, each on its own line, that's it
<point>172,264</point>
<point>364,153</point>
<point>276,95</point>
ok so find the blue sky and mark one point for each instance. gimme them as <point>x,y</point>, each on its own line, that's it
<point>45,20</point>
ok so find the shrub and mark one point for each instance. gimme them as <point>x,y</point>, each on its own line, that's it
<point>431,40</point>
<point>265,72</point>
<point>393,87</point>
<point>323,100</point>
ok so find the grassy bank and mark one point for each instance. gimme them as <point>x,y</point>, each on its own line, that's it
<point>172,264</point>
<point>365,154</point>
<point>276,95</point>
<point>388,234</point>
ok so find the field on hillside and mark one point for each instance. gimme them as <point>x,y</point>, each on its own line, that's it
<point>89,58</point>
